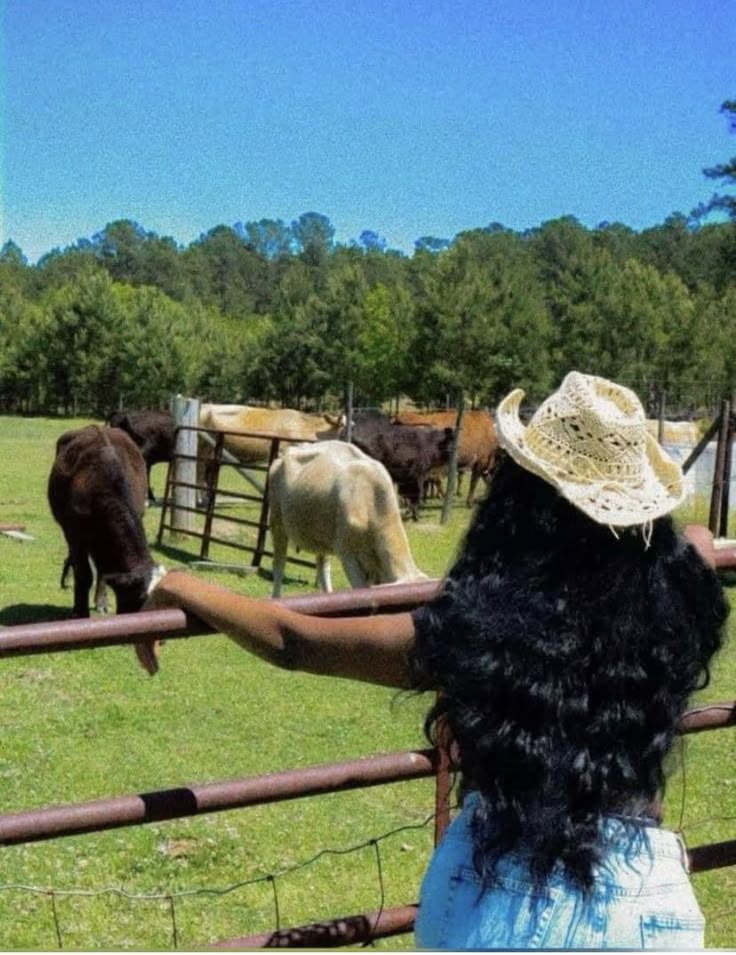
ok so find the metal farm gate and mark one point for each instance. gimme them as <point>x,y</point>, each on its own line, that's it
<point>190,495</point>
<point>189,800</point>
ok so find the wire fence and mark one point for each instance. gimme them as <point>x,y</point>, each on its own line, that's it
<point>172,899</point>
<point>378,923</point>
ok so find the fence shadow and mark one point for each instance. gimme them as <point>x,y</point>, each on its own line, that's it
<point>33,613</point>
<point>175,553</point>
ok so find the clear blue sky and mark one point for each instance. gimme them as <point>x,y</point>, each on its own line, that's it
<point>410,117</point>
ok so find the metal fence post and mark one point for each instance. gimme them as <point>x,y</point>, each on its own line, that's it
<point>718,471</point>
<point>212,479</point>
<point>265,506</point>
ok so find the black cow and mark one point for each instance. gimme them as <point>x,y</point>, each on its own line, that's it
<point>408,453</point>
<point>152,431</point>
<point>97,494</point>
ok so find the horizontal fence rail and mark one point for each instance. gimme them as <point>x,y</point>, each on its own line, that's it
<point>199,798</point>
<point>351,930</point>
<point>90,633</point>
<point>196,799</point>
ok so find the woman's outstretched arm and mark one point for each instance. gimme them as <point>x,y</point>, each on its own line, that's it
<point>371,649</point>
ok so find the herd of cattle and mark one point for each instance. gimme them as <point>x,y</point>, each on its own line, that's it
<point>327,497</point>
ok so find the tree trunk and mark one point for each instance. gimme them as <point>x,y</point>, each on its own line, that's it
<point>452,467</point>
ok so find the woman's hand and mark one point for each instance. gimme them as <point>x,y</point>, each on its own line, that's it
<point>160,598</point>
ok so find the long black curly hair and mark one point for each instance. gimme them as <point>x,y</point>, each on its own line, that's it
<point>564,655</point>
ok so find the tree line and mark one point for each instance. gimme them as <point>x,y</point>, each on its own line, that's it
<point>269,312</point>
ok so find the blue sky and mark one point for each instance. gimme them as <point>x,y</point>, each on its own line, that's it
<point>409,118</point>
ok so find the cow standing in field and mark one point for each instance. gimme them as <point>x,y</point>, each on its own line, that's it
<point>331,498</point>
<point>286,423</point>
<point>153,432</point>
<point>409,454</point>
<point>97,494</point>
<point>477,442</point>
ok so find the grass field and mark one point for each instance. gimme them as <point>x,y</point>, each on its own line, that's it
<point>91,724</point>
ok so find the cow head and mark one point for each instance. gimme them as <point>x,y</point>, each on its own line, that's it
<point>132,587</point>
<point>118,419</point>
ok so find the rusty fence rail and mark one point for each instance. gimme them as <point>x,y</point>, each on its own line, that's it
<point>138,809</point>
<point>196,799</point>
<point>85,634</point>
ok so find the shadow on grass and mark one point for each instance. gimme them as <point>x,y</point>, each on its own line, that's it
<point>175,553</point>
<point>33,613</point>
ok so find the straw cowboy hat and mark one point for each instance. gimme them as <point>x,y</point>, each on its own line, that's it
<point>589,440</point>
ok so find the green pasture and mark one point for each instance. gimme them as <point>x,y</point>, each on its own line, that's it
<point>90,724</point>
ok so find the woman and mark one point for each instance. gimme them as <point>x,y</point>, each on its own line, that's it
<point>565,643</point>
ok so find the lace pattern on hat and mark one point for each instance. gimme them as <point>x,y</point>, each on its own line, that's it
<point>589,440</point>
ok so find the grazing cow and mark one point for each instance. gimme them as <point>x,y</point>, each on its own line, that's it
<point>97,494</point>
<point>477,444</point>
<point>152,431</point>
<point>331,498</point>
<point>408,453</point>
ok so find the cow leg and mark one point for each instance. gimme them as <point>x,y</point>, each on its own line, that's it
<point>82,584</point>
<point>280,546</point>
<point>413,500</point>
<point>205,454</point>
<point>324,573</point>
<point>100,594</point>
<point>474,475</point>
<point>419,497</point>
<point>151,498</point>
<point>65,572</point>
<point>353,571</point>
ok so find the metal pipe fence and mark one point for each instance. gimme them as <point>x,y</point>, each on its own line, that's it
<point>196,799</point>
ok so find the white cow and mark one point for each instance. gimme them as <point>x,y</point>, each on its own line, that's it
<point>331,498</point>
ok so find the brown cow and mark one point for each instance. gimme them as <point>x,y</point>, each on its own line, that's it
<point>476,447</point>
<point>409,454</point>
<point>97,493</point>
<point>153,432</point>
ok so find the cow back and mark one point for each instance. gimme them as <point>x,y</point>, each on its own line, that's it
<point>286,423</point>
<point>332,498</point>
<point>152,431</point>
<point>90,462</point>
<point>477,444</point>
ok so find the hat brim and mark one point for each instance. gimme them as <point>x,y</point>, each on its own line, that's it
<point>613,503</point>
